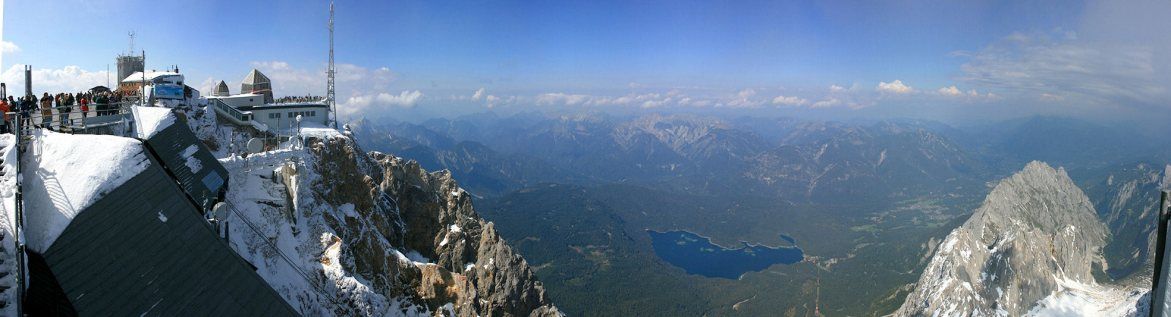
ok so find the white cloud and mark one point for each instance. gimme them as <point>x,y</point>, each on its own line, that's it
<point>7,47</point>
<point>951,91</point>
<point>1050,97</point>
<point>491,101</point>
<point>895,87</point>
<point>836,88</point>
<point>374,102</point>
<point>745,99</point>
<point>826,103</point>
<point>562,99</point>
<point>971,95</point>
<point>65,79</point>
<point>1061,65</point>
<point>789,101</point>
<point>478,94</point>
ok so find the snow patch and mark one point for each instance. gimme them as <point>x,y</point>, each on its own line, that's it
<point>192,162</point>
<point>151,120</point>
<point>67,173</point>
<point>417,258</point>
<point>1078,299</point>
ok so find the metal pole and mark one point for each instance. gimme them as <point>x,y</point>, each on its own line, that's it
<point>19,225</point>
<point>1159,281</point>
<point>142,99</point>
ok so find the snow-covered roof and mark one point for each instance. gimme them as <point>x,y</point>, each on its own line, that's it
<point>151,120</point>
<point>137,77</point>
<point>65,174</point>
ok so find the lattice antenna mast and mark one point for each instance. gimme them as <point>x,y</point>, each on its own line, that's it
<point>131,51</point>
<point>329,84</point>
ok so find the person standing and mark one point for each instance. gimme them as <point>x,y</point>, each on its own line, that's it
<point>102,104</point>
<point>4,126</point>
<point>46,111</point>
<point>65,109</point>
<point>84,106</point>
<point>27,106</point>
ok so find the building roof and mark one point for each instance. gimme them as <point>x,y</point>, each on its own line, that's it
<point>137,77</point>
<point>198,172</point>
<point>255,77</point>
<point>145,249</point>
<point>221,89</point>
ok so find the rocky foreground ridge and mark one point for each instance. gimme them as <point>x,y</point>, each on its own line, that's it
<point>374,234</point>
<point>1031,248</point>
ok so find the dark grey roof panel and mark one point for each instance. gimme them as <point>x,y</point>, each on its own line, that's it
<point>171,144</point>
<point>117,257</point>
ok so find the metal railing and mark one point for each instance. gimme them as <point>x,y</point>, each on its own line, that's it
<point>69,119</point>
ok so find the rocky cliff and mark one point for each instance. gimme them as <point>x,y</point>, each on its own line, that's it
<point>338,231</point>
<point>1034,245</point>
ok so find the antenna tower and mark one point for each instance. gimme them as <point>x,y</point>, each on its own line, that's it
<point>131,51</point>
<point>329,84</point>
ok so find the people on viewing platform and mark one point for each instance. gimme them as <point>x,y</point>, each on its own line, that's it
<point>292,99</point>
<point>64,108</point>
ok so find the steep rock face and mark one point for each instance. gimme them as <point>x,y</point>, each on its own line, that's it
<point>1035,235</point>
<point>442,225</point>
<point>1127,201</point>
<point>337,231</point>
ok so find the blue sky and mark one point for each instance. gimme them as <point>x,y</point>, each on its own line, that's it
<point>839,57</point>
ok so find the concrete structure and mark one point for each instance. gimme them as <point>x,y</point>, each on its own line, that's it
<point>221,90</point>
<point>257,83</point>
<point>134,81</point>
<point>129,64</point>
<point>283,117</point>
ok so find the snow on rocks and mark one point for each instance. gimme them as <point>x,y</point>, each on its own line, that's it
<point>1080,299</point>
<point>151,120</point>
<point>319,131</point>
<point>64,174</point>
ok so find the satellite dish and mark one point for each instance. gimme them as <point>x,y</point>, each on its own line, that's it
<point>298,118</point>
<point>255,145</point>
<point>220,211</point>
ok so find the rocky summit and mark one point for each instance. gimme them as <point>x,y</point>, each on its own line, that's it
<point>1033,244</point>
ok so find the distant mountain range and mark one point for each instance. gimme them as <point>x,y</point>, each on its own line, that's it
<point>865,201</point>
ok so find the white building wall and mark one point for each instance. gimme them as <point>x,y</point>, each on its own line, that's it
<point>279,119</point>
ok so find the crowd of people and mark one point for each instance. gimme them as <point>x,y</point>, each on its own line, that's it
<point>293,99</point>
<point>39,112</point>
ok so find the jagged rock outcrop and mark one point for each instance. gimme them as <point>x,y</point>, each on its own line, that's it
<point>467,268</point>
<point>1035,235</point>
<point>340,232</point>
<point>442,225</point>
